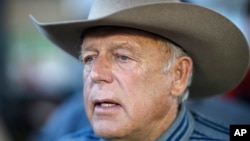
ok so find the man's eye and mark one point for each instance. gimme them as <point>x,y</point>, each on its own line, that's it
<point>88,59</point>
<point>123,57</point>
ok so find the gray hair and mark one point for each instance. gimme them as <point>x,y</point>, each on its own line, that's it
<point>176,52</point>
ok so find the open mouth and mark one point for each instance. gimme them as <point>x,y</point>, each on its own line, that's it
<point>106,104</point>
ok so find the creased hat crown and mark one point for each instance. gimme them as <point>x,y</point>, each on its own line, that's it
<point>103,8</point>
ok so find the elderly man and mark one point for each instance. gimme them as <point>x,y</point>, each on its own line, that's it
<point>140,58</point>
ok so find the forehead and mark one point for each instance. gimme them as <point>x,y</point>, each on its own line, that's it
<point>139,42</point>
<point>118,37</point>
<point>103,31</point>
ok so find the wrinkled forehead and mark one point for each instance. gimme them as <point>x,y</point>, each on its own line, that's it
<point>102,31</point>
<point>117,37</point>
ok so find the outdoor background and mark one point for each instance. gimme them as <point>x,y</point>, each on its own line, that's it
<point>36,76</point>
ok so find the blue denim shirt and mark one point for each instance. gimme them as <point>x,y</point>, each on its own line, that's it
<point>186,127</point>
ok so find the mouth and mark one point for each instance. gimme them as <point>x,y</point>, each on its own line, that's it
<point>106,106</point>
<point>105,103</point>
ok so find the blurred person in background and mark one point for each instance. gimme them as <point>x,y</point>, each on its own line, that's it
<point>39,78</point>
<point>69,115</point>
<point>53,32</point>
<point>5,134</point>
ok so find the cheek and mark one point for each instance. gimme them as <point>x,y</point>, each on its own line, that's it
<point>143,94</point>
<point>86,72</point>
<point>154,94</point>
<point>147,108</point>
<point>87,105</point>
<point>86,95</point>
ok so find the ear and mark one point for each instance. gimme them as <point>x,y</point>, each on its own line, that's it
<point>181,71</point>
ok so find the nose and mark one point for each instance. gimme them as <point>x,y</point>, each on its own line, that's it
<point>101,70</point>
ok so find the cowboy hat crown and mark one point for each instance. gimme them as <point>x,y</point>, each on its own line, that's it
<point>101,8</point>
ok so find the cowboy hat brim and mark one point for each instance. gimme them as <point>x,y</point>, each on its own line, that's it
<point>218,48</point>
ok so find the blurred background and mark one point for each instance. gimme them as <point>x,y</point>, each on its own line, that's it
<point>36,77</point>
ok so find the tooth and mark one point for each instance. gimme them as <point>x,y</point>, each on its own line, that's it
<point>107,104</point>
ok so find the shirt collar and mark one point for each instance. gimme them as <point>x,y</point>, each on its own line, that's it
<point>181,128</point>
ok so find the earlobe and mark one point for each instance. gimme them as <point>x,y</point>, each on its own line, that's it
<point>181,71</point>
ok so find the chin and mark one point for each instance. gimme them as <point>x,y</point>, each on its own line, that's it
<point>108,132</point>
<point>109,135</point>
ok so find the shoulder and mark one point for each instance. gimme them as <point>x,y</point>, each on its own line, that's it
<point>82,135</point>
<point>208,128</point>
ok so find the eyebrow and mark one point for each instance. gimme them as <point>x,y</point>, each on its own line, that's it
<point>88,48</point>
<point>126,45</point>
<point>84,50</point>
<point>116,45</point>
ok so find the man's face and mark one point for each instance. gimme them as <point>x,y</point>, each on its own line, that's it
<point>126,92</point>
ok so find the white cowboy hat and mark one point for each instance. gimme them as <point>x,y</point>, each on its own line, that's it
<point>218,48</point>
